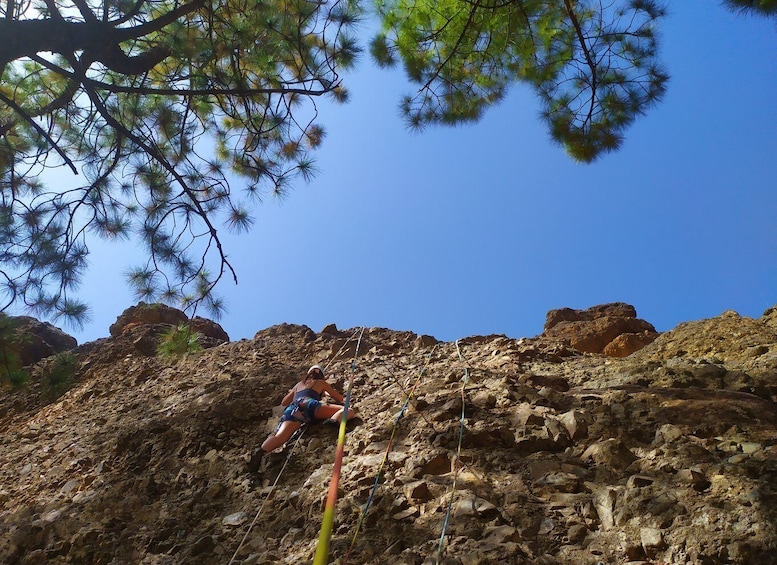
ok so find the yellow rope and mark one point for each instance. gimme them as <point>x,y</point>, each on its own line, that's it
<point>322,550</point>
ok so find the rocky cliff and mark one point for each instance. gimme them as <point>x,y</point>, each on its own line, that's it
<point>508,450</point>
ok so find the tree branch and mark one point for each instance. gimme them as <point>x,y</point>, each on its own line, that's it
<point>85,10</point>
<point>117,89</point>
<point>123,34</point>
<point>116,60</point>
<point>154,152</point>
<point>453,51</point>
<point>58,35</point>
<point>131,13</point>
<point>27,118</point>
<point>586,52</point>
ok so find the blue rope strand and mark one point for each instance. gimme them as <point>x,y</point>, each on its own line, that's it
<point>456,460</point>
<point>385,457</point>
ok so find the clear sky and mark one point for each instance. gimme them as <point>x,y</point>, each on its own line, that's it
<point>482,229</point>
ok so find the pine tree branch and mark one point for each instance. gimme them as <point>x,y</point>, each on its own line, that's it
<point>134,11</point>
<point>25,38</point>
<point>157,156</point>
<point>124,34</point>
<point>453,50</point>
<point>588,57</point>
<point>85,11</point>
<point>27,118</point>
<point>184,92</point>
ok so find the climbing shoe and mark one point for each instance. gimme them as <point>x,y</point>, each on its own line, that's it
<point>255,461</point>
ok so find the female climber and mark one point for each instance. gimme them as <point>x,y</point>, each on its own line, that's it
<point>303,405</point>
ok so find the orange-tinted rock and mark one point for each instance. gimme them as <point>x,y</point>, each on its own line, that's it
<point>594,329</point>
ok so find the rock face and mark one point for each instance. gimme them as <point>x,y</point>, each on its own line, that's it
<point>147,314</point>
<point>41,339</point>
<point>612,329</point>
<point>522,451</point>
<point>160,314</point>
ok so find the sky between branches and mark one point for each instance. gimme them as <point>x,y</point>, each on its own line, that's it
<point>482,229</point>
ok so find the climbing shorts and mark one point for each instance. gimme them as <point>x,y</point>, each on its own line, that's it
<point>302,410</point>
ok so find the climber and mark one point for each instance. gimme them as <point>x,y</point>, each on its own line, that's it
<point>303,406</point>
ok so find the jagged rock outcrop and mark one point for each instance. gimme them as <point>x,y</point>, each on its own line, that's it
<point>209,329</point>
<point>147,323</point>
<point>147,314</point>
<point>568,458</point>
<point>612,329</point>
<point>38,340</point>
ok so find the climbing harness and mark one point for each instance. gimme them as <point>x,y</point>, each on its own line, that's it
<point>456,458</point>
<point>322,550</point>
<point>385,457</point>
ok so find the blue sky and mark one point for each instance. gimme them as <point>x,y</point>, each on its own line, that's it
<point>482,229</point>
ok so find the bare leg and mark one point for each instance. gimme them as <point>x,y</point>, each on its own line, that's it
<point>285,431</point>
<point>333,412</point>
<point>283,434</point>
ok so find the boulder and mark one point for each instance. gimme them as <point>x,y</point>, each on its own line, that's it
<point>144,314</point>
<point>627,343</point>
<point>612,329</point>
<point>39,339</point>
<point>209,329</point>
<point>154,314</point>
<point>613,310</point>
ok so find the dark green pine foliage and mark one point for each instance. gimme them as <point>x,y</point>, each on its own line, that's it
<point>759,7</point>
<point>594,65</point>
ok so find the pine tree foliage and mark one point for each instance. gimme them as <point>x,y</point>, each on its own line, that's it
<point>58,374</point>
<point>758,7</point>
<point>594,65</point>
<point>155,105</point>
<point>178,341</point>
<point>11,371</point>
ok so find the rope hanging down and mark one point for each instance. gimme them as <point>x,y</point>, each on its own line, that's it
<point>322,550</point>
<point>385,457</point>
<point>295,439</point>
<point>455,460</point>
<point>266,498</point>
